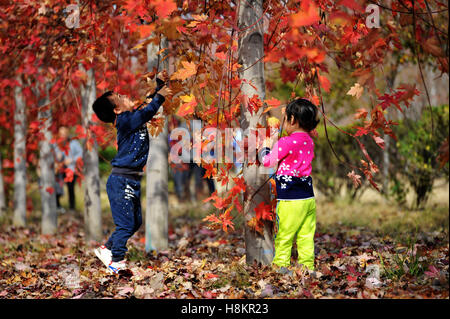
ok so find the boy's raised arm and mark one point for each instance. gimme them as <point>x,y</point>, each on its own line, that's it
<point>136,119</point>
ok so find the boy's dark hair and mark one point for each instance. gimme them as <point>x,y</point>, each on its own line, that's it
<point>104,108</point>
<point>304,113</point>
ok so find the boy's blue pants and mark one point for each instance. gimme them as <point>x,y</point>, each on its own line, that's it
<point>124,196</point>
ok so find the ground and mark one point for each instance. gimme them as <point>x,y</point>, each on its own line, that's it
<point>368,249</point>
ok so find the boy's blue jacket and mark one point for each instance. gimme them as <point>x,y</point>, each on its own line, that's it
<point>132,135</point>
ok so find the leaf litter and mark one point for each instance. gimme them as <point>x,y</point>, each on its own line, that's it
<point>204,263</point>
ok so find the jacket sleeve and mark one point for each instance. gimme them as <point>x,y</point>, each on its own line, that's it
<point>278,152</point>
<point>159,85</point>
<point>134,120</point>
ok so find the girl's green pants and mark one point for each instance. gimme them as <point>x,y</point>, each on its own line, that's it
<point>295,217</point>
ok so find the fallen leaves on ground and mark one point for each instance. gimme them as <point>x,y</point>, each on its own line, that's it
<point>202,263</point>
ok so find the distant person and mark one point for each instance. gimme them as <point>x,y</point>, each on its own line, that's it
<point>67,152</point>
<point>199,171</point>
<point>296,206</point>
<point>124,183</point>
<point>179,170</point>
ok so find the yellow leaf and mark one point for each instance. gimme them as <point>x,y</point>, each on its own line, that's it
<point>187,98</point>
<point>190,102</point>
<point>273,122</point>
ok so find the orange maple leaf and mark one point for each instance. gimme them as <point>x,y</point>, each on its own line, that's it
<point>324,82</point>
<point>227,219</point>
<point>264,211</point>
<point>361,113</point>
<point>189,69</point>
<point>272,103</point>
<point>306,16</point>
<point>145,30</point>
<point>164,8</point>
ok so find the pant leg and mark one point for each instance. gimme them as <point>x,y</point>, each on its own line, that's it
<point>71,191</point>
<point>137,210</point>
<point>305,236</point>
<point>199,172</point>
<point>124,199</point>
<point>211,186</point>
<point>287,228</point>
<point>179,179</point>
<point>58,204</point>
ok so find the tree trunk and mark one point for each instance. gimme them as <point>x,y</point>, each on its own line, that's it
<point>46,165</point>
<point>387,139</point>
<point>2,192</point>
<point>92,207</point>
<point>259,247</point>
<point>20,168</point>
<point>157,210</point>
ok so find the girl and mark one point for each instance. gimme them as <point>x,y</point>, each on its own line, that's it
<point>296,207</point>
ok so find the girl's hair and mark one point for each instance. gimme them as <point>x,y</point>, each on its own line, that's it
<point>304,113</point>
<point>104,108</point>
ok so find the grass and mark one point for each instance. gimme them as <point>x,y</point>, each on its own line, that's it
<point>407,263</point>
<point>375,213</point>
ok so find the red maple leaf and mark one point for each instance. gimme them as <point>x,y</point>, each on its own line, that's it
<point>306,16</point>
<point>164,8</point>
<point>361,113</point>
<point>227,222</point>
<point>324,82</point>
<point>69,175</point>
<point>264,211</point>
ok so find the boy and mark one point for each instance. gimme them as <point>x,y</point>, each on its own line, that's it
<point>123,185</point>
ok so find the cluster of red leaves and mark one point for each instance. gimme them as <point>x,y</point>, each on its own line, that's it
<point>202,263</point>
<point>204,39</point>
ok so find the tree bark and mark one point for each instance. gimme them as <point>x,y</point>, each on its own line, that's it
<point>387,139</point>
<point>258,247</point>
<point>20,168</point>
<point>47,170</point>
<point>157,205</point>
<point>92,207</point>
<point>2,191</point>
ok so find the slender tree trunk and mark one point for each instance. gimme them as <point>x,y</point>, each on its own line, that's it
<point>47,169</point>
<point>259,247</point>
<point>20,168</point>
<point>387,139</point>
<point>157,210</point>
<point>92,207</point>
<point>2,191</point>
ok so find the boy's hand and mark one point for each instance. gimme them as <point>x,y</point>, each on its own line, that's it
<point>163,75</point>
<point>165,91</point>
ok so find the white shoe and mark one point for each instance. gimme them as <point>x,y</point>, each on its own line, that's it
<point>115,266</point>
<point>104,254</point>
